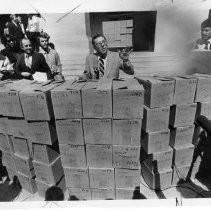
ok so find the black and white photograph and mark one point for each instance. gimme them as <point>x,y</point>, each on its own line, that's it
<point>105,102</point>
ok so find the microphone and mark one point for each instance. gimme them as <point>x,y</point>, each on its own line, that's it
<point>204,122</point>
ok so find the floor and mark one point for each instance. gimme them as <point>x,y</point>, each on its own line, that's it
<point>194,189</point>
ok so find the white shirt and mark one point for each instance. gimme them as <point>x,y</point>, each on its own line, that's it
<point>28,60</point>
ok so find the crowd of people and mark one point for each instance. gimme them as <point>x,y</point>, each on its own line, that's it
<point>27,50</point>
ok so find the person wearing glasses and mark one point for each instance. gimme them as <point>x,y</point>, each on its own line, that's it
<point>31,62</point>
<point>104,63</point>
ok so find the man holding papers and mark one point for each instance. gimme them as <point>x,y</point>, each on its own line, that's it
<point>31,62</point>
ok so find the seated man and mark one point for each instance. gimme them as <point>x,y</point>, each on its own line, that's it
<point>6,68</point>
<point>104,63</point>
<point>10,49</point>
<point>31,62</point>
<point>51,56</point>
<point>204,43</point>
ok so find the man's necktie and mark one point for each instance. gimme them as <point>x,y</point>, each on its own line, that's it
<point>101,67</point>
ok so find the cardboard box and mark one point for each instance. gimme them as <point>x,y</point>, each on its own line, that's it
<point>103,194</point>
<point>128,99</point>
<point>182,115</point>
<point>45,153</point>
<point>127,132</point>
<point>10,103</point>
<point>159,91</point>
<point>156,119</point>
<point>49,173</point>
<point>36,103</point>
<point>127,179</point>
<point>19,128</point>
<point>124,194</point>
<point>185,89</point>
<point>181,136</point>
<point>97,99</point>
<point>179,174</point>
<point>101,178</point>
<point>6,144</point>
<point>97,131</point>
<point>8,160</point>
<point>9,97</point>
<point>203,92</point>
<point>42,186</point>
<point>153,142</point>
<point>27,183</point>
<point>70,131</point>
<point>66,100</point>
<point>77,177</point>
<point>73,155</point>
<point>80,193</point>
<point>99,156</point>
<point>4,125</point>
<point>21,147</point>
<point>158,180</point>
<point>24,166</point>
<point>204,108</point>
<point>42,132</point>
<point>160,161</point>
<point>126,157</point>
<point>183,155</point>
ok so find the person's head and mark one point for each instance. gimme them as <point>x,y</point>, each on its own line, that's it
<point>206,29</point>
<point>19,19</point>
<point>99,43</point>
<point>54,193</point>
<point>43,40</point>
<point>14,17</point>
<point>10,41</point>
<point>26,46</point>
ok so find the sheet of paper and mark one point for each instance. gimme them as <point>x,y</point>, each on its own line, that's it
<point>39,76</point>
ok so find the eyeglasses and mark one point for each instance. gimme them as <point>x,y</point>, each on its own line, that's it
<point>101,43</point>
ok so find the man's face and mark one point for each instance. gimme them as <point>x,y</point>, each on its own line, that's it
<point>44,42</point>
<point>19,19</point>
<point>11,43</point>
<point>206,33</point>
<point>15,18</point>
<point>26,46</point>
<point>100,45</point>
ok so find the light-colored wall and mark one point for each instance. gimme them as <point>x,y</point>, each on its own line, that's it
<point>175,29</point>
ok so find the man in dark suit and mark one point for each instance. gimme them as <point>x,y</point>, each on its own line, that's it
<point>104,63</point>
<point>15,28</point>
<point>31,62</point>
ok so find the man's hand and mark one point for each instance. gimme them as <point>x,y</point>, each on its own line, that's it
<point>124,54</point>
<point>25,74</point>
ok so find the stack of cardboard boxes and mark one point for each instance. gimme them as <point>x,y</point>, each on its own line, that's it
<point>128,101</point>
<point>118,33</point>
<point>156,154</point>
<point>67,106</point>
<point>203,100</point>
<point>182,117</point>
<point>99,136</point>
<point>14,137</point>
<point>32,135</point>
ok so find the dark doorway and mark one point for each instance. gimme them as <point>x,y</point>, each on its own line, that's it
<point>137,26</point>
